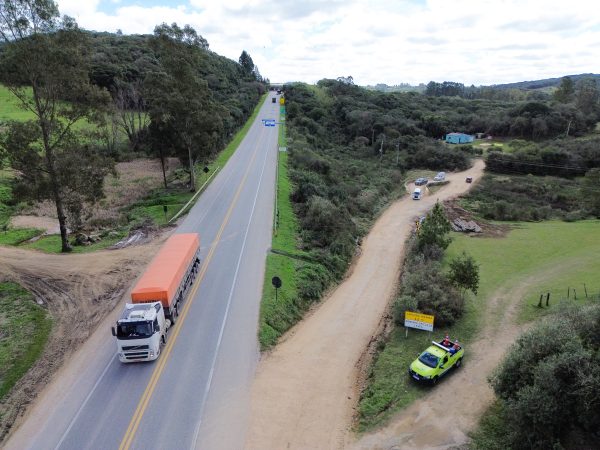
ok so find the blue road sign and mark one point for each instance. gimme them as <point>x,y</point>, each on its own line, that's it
<point>269,122</point>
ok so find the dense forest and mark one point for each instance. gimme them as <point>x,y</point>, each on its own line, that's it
<point>351,147</point>
<point>96,97</point>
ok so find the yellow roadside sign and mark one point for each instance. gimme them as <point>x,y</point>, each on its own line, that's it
<point>282,101</point>
<point>418,320</point>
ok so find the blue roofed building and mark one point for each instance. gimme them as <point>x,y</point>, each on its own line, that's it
<point>459,138</point>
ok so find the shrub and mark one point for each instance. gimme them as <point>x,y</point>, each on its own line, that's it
<point>425,288</point>
<point>549,381</point>
<point>313,280</point>
<point>517,197</point>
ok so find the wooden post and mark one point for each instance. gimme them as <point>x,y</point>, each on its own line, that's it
<point>547,298</point>
<point>540,303</point>
<point>585,289</point>
<point>574,294</point>
<point>568,291</point>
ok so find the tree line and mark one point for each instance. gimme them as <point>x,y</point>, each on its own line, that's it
<point>166,92</point>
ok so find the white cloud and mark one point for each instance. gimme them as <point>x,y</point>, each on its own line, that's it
<point>472,41</point>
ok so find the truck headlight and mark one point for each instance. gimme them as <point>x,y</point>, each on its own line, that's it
<point>151,354</point>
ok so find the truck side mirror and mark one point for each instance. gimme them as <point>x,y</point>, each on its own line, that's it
<point>114,332</point>
<point>157,328</point>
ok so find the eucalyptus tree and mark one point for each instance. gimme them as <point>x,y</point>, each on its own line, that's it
<point>44,63</point>
<point>184,118</point>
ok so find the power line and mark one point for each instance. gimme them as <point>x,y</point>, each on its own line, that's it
<point>539,164</point>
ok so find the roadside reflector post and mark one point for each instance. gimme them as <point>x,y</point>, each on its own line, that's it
<point>548,299</point>
<point>585,289</point>
<point>165,209</point>
<point>540,303</point>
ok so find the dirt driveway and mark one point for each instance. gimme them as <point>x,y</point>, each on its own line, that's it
<point>305,390</point>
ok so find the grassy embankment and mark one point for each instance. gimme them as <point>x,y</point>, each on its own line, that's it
<point>24,332</point>
<point>150,209</point>
<point>529,250</point>
<point>274,315</point>
<point>10,107</point>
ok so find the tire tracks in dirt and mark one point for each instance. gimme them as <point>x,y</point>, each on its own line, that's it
<point>78,291</point>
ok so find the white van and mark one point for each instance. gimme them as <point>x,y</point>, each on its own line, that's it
<point>441,176</point>
<point>417,194</point>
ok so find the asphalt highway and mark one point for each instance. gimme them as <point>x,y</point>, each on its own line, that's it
<point>195,395</point>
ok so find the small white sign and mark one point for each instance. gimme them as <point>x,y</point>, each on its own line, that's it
<point>418,325</point>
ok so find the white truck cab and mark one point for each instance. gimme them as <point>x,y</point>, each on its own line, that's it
<point>140,331</point>
<point>416,194</point>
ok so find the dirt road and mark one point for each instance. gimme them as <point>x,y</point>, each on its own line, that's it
<point>443,418</point>
<point>305,390</point>
<point>79,291</point>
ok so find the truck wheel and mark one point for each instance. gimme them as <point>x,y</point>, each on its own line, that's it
<point>434,380</point>
<point>164,339</point>
<point>458,363</point>
<point>174,316</point>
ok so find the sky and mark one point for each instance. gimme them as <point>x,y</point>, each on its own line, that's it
<point>477,42</point>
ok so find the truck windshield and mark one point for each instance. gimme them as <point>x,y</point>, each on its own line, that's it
<point>428,359</point>
<point>134,330</point>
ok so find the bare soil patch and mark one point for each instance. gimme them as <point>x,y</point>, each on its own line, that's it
<point>306,389</point>
<point>48,224</point>
<point>82,286</point>
<point>134,180</point>
<point>454,211</point>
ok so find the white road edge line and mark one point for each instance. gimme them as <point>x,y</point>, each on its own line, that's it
<point>237,269</point>
<point>85,402</point>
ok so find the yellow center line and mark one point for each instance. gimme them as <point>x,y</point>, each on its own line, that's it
<point>144,400</point>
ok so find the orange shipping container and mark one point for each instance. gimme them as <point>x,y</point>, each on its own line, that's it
<point>166,271</point>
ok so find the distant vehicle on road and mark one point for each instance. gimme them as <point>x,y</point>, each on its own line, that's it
<point>441,176</point>
<point>421,181</point>
<point>469,179</point>
<point>417,194</point>
<point>156,299</point>
<point>274,100</point>
<point>436,361</point>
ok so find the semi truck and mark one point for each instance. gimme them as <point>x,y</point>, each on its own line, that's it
<point>156,299</point>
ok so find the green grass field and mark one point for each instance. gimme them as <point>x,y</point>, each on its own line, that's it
<point>23,334</point>
<point>15,236</point>
<point>10,107</point>
<point>529,250</point>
